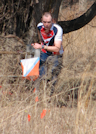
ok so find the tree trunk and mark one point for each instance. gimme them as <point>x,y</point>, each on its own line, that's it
<point>21,17</point>
<point>82,5</point>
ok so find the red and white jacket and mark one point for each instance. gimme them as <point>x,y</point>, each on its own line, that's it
<point>54,34</point>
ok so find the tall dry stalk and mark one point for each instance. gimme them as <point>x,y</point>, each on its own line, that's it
<point>85,107</point>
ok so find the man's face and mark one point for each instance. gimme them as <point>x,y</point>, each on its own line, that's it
<point>47,22</point>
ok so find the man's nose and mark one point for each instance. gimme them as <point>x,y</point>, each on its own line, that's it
<point>46,24</point>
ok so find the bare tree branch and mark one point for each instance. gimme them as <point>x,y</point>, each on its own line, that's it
<point>79,22</point>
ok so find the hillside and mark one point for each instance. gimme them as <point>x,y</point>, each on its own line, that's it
<point>71,109</point>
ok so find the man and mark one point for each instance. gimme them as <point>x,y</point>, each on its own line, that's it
<point>50,37</point>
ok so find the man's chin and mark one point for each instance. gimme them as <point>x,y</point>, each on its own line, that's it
<point>47,29</point>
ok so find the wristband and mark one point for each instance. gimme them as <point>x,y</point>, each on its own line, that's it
<point>42,46</point>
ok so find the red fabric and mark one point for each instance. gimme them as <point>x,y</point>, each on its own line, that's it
<point>43,50</point>
<point>48,35</point>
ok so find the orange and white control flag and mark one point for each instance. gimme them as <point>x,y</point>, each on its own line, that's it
<point>30,68</point>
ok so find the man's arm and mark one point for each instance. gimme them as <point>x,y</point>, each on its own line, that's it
<point>55,48</point>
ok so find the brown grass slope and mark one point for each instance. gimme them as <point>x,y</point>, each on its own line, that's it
<point>74,86</point>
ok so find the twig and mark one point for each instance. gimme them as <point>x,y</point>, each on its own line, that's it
<point>13,36</point>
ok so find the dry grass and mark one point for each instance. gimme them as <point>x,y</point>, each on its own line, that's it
<point>71,108</point>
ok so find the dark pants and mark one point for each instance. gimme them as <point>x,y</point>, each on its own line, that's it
<point>50,58</point>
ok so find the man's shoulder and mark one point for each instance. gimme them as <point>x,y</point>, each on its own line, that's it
<point>40,24</point>
<point>57,26</point>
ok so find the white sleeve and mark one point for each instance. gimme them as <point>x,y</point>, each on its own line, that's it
<point>39,24</point>
<point>59,33</point>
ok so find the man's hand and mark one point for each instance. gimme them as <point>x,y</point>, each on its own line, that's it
<point>36,45</point>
